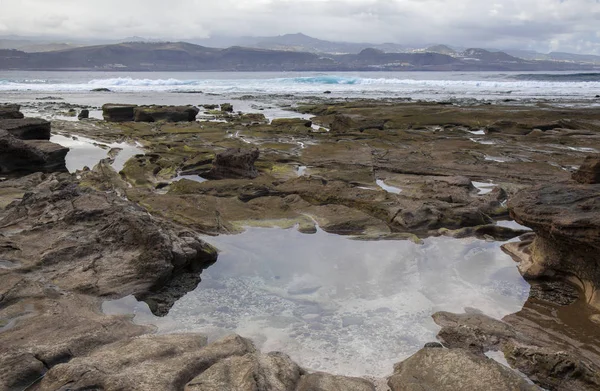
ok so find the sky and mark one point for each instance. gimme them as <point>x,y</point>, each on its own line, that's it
<point>542,25</point>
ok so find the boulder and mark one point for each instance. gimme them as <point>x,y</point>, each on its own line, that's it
<point>10,111</point>
<point>165,113</point>
<point>83,114</point>
<point>342,123</point>
<point>566,220</point>
<point>98,243</point>
<point>326,382</point>
<point>234,163</point>
<point>589,172</point>
<point>552,359</point>
<point>48,326</point>
<point>146,363</point>
<point>226,107</point>
<point>26,156</point>
<point>27,128</point>
<point>434,369</point>
<point>272,372</point>
<point>118,112</point>
<point>291,122</point>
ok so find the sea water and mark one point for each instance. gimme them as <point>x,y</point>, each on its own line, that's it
<point>559,86</point>
<point>336,304</point>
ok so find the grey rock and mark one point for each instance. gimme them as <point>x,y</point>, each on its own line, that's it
<point>19,156</point>
<point>434,369</point>
<point>226,107</point>
<point>165,113</point>
<point>91,235</point>
<point>589,172</point>
<point>83,114</point>
<point>272,372</point>
<point>10,111</point>
<point>234,163</point>
<point>326,382</point>
<point>146,363</point>
<point>27,128</point>
<point>118,112</point>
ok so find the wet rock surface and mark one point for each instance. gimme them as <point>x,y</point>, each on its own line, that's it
<point>19,156</point>
<point>549,356</point>
<point>165,113</point>
<point>234,163</point>
<point>10,111</point>
<point>434,369</point>
<point>566,220</point>
<point>27,128</point>
<point>589,172</point>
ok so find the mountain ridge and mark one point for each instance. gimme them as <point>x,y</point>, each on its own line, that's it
<point>185,56</point>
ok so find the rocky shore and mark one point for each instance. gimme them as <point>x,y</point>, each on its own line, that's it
<point>370,169</point>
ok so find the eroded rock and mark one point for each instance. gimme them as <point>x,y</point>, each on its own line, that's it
<point>10,111</point>
<point>165,113</point>
<point>27,156</point>
<point>589,172</point>
<point>234,163</point>
<point>27,128</point>
<point>78,237</point>
<point>118,112</point>
<point>251,372</point>
<point>146,363</point>
<point>434,369</point>
<point>566,220</point>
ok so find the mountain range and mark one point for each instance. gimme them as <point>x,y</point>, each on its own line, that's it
<point>292,52</point>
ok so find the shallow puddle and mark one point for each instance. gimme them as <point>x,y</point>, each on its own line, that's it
<point>87,152</point>
<point>335,304</point>
<point>388,188</point>
<point>484,187</point>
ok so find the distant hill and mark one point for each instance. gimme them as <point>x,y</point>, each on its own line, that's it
<point>442,49</point>
<point>302,42</point>
<point>182,56</point>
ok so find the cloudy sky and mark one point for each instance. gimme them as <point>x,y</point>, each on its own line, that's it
<point>543,25</point>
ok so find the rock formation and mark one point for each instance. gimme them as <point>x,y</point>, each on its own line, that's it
<point>10,111</point>
<point>27,128</point>
<point>234,163</point>
<point>589,172</point>
<point>165,113</point>
<point>566,220</point>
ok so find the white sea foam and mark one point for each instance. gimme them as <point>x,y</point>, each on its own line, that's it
<point>429,86</point>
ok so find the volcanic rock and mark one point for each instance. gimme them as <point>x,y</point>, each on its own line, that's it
<point>117,112</point>
<point>10,111</point>
<point>27,128</point>
<point>147,363</point>
<point>84,114</point>
<point>566,220</point>
<point>589,172</point>
<point>273,372</point>
<point>93,235</point>
<point>26,156</point>
<point>435,369</point>
<point>165,113</point>
<point>234,163</point>
<point>226,107</point>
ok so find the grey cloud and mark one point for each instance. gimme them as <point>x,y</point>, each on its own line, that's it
<point>567,25</point>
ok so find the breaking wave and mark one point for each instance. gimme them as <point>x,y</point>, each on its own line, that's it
<point>553,77</point>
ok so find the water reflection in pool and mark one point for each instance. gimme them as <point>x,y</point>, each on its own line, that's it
<point>87,152</point>
<point>336,304</point>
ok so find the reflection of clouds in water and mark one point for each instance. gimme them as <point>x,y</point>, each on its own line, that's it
<point>341,305</point>
<point>87,152</point>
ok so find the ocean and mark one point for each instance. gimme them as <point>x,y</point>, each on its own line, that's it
<point>176,87</point>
